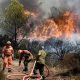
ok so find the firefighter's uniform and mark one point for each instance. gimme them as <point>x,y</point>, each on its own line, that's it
<point>27,58</point>
<point>7,51</point>
<point>40,63</point>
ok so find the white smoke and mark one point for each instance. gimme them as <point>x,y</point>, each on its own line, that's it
<point>46,5</point>
<point>2,31</point>
<point>73,5</point>
<point>4,3</point>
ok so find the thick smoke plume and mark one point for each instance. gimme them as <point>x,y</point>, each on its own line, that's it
<point>46,5</point>
<point>55,8</point>
<point>73,5</point>
<point>4,3</point>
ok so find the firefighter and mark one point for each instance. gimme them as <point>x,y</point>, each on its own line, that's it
<point>40,62</point>
<point>27,58</point>
<point>7,58</point>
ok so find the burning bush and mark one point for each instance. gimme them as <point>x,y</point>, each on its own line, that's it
<point>63,26</point>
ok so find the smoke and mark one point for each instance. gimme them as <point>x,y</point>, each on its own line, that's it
<point>4,3</point>
<point>2,31</point>
<point>49,7</point>
<point>1,1</point>
<point>45,5</point>
<point>30,4</point>
<point>72,5</point>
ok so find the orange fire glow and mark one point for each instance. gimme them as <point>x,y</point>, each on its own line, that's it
<point>61,27</point>
<point>29,13</point>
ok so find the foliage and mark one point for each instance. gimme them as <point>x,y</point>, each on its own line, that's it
<point>2,18</point>
<point>14,14</point>
<point>16,55</point>
<point>23,44</point>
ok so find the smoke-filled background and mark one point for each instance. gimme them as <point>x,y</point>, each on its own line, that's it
<point>54,24</point>
<point>72,5</point>
<point>46,5</point>
<point>50,8</point>
<point>55,9</point>
<point>51,22</point>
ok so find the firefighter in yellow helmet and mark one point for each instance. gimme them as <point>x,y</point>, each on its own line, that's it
<point>40,62</point>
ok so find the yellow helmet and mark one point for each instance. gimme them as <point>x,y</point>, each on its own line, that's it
<point>8,42</point>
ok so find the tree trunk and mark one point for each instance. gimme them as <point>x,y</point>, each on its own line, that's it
<point>15,38</point>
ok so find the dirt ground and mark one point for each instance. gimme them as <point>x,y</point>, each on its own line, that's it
<point>54,73</point>
<point>17,72</point>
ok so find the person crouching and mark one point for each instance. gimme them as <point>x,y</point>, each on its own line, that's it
<point>27,58</point>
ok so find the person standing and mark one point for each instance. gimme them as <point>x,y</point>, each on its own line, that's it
<point>40,62</point>
<point>7,59</point>
<point>27,58</point>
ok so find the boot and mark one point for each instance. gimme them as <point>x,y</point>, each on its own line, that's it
<point>4,66</point>
<point>42,78</point>
<point>25,69</point>
<point>9,70</point>
<point>3,69</point>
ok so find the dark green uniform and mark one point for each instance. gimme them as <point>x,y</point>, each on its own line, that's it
<point>26,61</point>
<point>40,62</point>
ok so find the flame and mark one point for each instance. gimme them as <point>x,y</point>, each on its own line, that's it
<point>29,13</point>
<point>61,27</point>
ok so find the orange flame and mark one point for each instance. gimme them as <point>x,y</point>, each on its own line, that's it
<point>62,27</point>
<point>29,13</point>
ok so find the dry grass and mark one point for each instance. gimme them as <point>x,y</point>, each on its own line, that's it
<point>67,69</point>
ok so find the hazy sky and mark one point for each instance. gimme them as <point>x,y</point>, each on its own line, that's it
<point>3,3</point>
<point>45,5</point>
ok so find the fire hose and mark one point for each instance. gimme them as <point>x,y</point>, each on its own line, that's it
<point>30,75</point>
<point>38,77</point>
